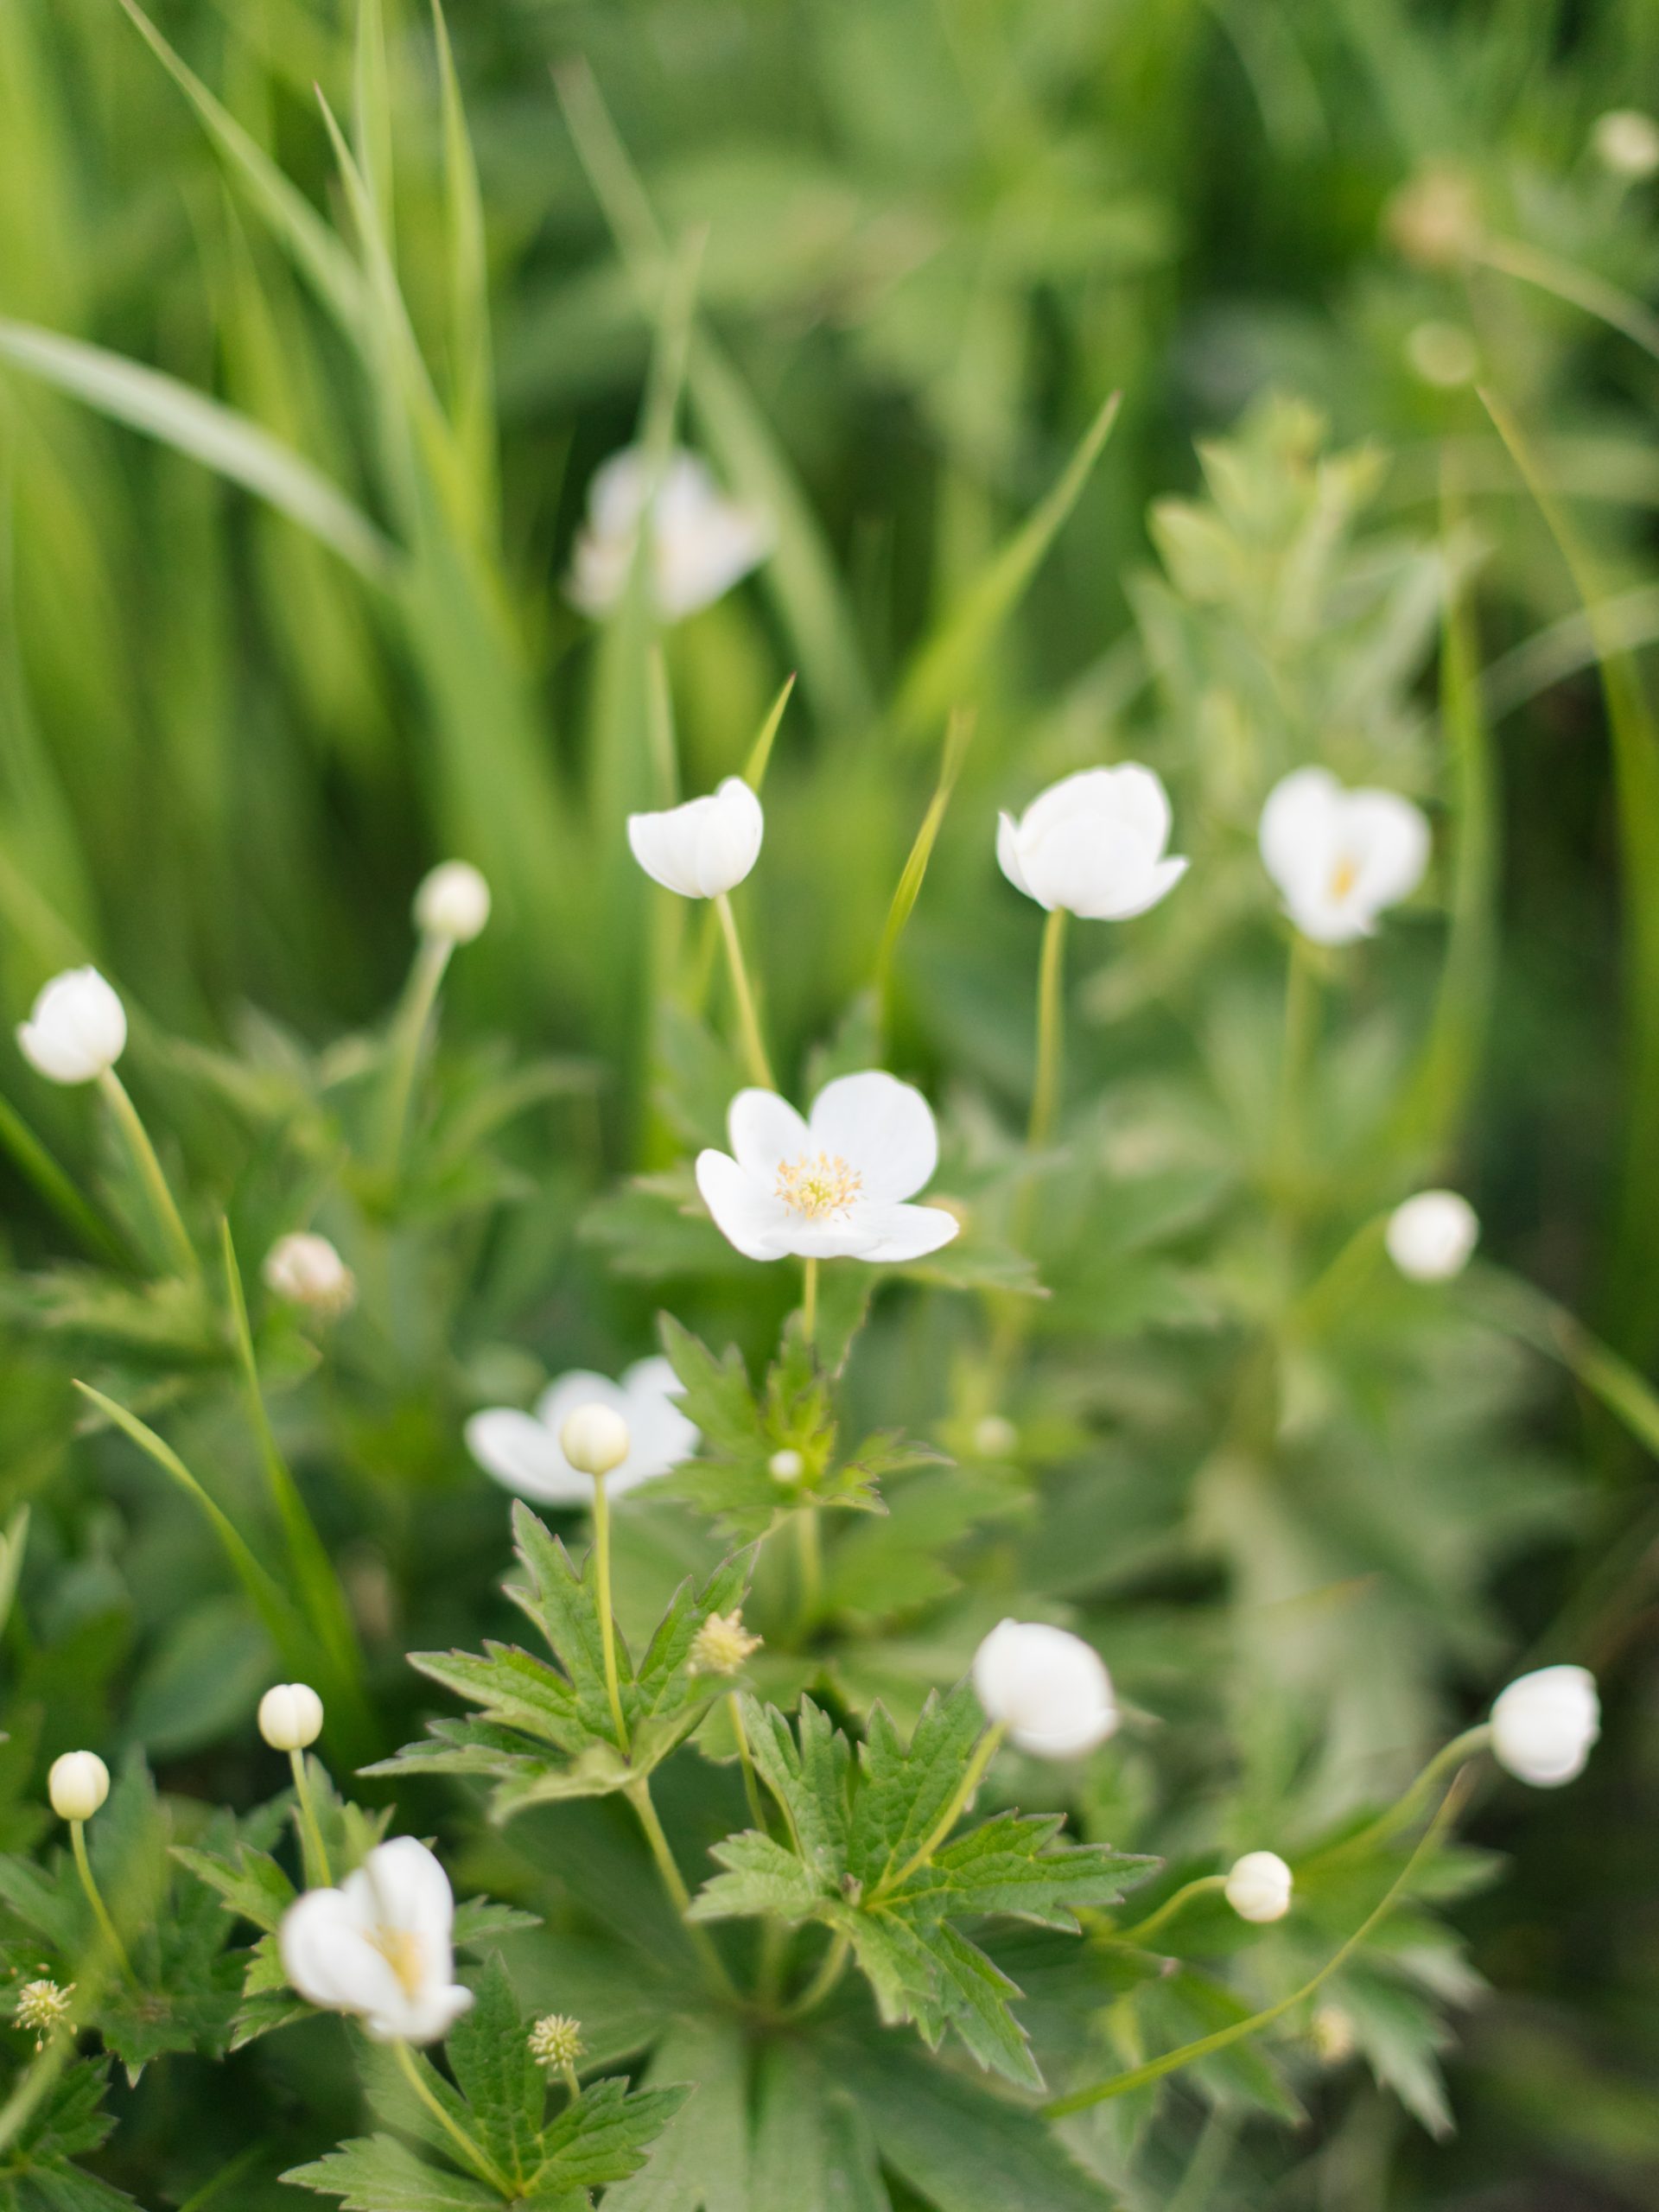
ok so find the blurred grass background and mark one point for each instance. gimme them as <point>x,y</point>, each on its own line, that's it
<point>930,237</point>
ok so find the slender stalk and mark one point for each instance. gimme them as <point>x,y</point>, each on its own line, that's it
<point>638,1796</point>
<point>1409,1803</point>
<point>1205,1885</point>
<point>984,1751</point>
<point>1301,1006</point>
<point>607,1624</point>
<point>809,1548</point>
<point>830,1969</point>
<point>313,1847</point>
<point>1051,1029</point>
<point>748,1021</point>
<point>162,1203</point>
<point>100,1910</point>
<point>408,1032</point>
<point>572,2082</point>
<point>746,1760</point>
<point>809,1298</point>
<point>476,2157</point>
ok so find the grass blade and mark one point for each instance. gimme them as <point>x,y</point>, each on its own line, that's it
<point>472,372</point>
<point>57,1187</point>
<point>958,737</point>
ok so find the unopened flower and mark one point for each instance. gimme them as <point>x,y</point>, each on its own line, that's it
<point>291,1716</point>
<point>1258,1886</point>
<point>1093,843</point>
<point>995,1437</point>
<point>77,1028</point>
<point>595,1440</point>
<point>453,902</point>
<point>379,1947</point>
<point>1430,1237</point>
<point>1049,1690</point>
<point>525,1453</point>
<point>1442,353</point>
<point>1340,857</point>
<point>1544,1725</point>
<point>722,1645</point>
<point>556,2041</point>
<point>1333,2034</point>
<point>702,543</point>
<point>304,1269</point>
<point>787,1467</point>
<point>1626,143</point>
<point>77,1784</point>
<point>1434,218</point>
<point>42,2008</point>
<point>703,847</point>
<point>833,1184</point>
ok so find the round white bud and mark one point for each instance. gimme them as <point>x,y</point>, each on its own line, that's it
<point>1442,353</point>
<point>1430,1238</point>
<point>291,1716</point>
<point>995,1437</point>
<point>595,1440</point>
<point>77,1028</point>
<point>1626,144</point>
<point>77,1785</point>
<point>787,1467</point>
<point>304,1269</point>
<point>1046,1687</point>
<point>453,902</point>
<point>1258,1886</point>
<point>1544,1723</point>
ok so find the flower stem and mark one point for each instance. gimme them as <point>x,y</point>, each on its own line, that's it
<point>809,1297</point>
<point>638,1796</point>
<point>1301,1008</point>
<point>810,1558</point>
<point>476,2157</point>
<point>100,1910</point>
<point>749,1022</point>
<point>830,1969</point>
<point>1051,1029</point>
<point>607,1624</point>
<point>312,1847</point>
<point>409,1032</point>
<point>572,2082</point>
<point>1203,1887</point>
<point>984,1751</point>
<point>746,1760</point>
<point>149,1170</point>
<point>1406,1806</point>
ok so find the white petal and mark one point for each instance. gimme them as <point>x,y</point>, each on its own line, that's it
<point>746,1211</point>
<point>411,1891</point>
<point>882,1127</point>
<point>1089,792</point>
<point>1328,920</point>
<point>662,1435</point>
<point>909,1232</point>
<point>425,2018</point>
<point>1007,853</point>
<point>1298,831</point>
<point>1089,865</point>
<point>1141,895</point>
<point>1390,839</point>
<point>728,837</point>
<point>765,1131</point>
<point>524,1455</point>
<point>327,1957</point>
<point>665,846</point>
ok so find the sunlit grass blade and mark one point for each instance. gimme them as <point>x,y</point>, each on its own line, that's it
<point>372,117</point>
<point>1511,1303</point>
<point>1579,288</point>
<point>217,436</point>
<point>958,737</point>
<point>57,1187</point>
<point>947,663</point>
<point>472,367</point>
<point>1628,621</point>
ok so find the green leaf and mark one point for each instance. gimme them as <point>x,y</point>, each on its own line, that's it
<point>702,2162</point>
<point>251,1883</point>
<point>907,1788</point>
<point>811,1780</point>
<point>489,2054</point>
<point>376,2173</point>
<point>1010,1865</point>
<point>605,2136</point>
<point>762,1879</point>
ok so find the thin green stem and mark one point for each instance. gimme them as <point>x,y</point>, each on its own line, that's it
<point>1204,1887</point>
<point>749,1022</point>
<point>100,1910</point>
<point>408,1034</point>
<point>314,1849</point>
<point>572,2081</point>
<point>809,1298</point>
<point>830,1969</point>
<point>1051,1030</point>
<point>162,1203</point>
<point>607,1623</point>
<point>1406,1807</point>
<point>638,1796</point>
<point>984,1751</point>
<point>746,1760</point>
<point>808,1550</point>
<point>476,2157</point>
<point>1301,1009</point>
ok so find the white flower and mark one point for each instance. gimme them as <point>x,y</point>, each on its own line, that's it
<point>452,902</point>
<point>291,1716</point>
<point>703,847</point>
<point>77,1784</point>
<point>1093,843</point>
<point>1627,142</point>
<point>1544,1723</point>
<point>834,1184</point>
<point>304,1269</point>
<point>1258,1886</point>
<point>1340,857</point>
<point>701,542</point>
<point>1430,1237</point>
<point>524,1450</point>
<point>77,1028</point>
<point>379,1946</point>
<point>1049,1689</point>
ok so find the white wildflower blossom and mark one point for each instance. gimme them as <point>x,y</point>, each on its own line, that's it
<point>702,543</point>
<point>77,1028</point>
<point>379,1946</point>
<point>1047,1688</point>
<point>1094,843</point>
<point>526,1453</point>
<point>1338,856</point>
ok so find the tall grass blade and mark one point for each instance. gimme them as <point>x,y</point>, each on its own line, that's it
<point>57,1187</point>
<point>958,736</point>
<point>472,367</point>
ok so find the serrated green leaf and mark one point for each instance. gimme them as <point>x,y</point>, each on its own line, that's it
<point>376,2173</point>
<point>251,1884</point>
<point>809,1779</point>
<point>489,2054</point>
<point>1011,1865</point>
<point>605,2135</point>
<point>761,1878</point>
<point>907,1788</point>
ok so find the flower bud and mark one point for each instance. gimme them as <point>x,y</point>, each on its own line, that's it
<point>787,1467</point>
<point>1047,1688</point>
<point>77,1785</point>
<point>1626,144</point>
<point>1258,1887</point>
<point>1544,1723</point>
<point>304,1269</point>
<point>995,1437</point>
<point>291,1716</point>
<point>453,902</point>
<point>595,1439</point>
<point>76,1029</point>
<point>1430,1237</point>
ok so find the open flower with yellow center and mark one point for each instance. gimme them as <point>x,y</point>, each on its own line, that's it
<point>832,1184</point>
<point>1340,857</point>
<point>379,1947</point>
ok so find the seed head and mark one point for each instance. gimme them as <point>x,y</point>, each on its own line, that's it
<point>720,1645</point>
<point>556,2041</point>
<point>42,2006</point>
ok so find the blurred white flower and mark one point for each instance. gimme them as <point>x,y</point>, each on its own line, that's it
<point>452,902</point>
<point>379,1946</point>
<point>1626,143</point>
<point>77,1784</point>
<point>1340,857</point>
<point>1430,1237</point>
<point>833,1184</point>
<point>1442,353</point>
<point>1093,843</point>
<point>1544,1723</point>
<point>702,543</point>
<point>77,1028</point>
<point>524,1451</point>
<point>305,1269</point>
<point>1049,1689</point>
<point>1258,1886</point>
<point>787,1467</point>
<point>1434,218</point>
<point>595,1440</point>
<point>703,847</point>
<point>291,1716</point>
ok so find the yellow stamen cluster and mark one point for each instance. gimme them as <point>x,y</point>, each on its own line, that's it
<point>720,1645</point>
<point>1344,876</point>
<point>814,1185</point>
<point>555,2042</point>
<point>43,2007</point>
<point>404,1953</point>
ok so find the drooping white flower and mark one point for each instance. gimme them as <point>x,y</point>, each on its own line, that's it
<point>702,543</point>
<point>703,847</point>
<point>1049,1689</point>
<point>1258,1886</point>
<point>1430,1236</point>
<point>1544,1725</point>
<point>1093,843</point>
<point>76,1784</point>
<point>379,1946</point>
<point>452,902</point>
<point>291,1716</point>
<point>77,1028</point>
<point>1340,857</point>
<point>304,1269</point>
<point>525,1451</point>
<point>1627,143</point>
<point>834,1184</point>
